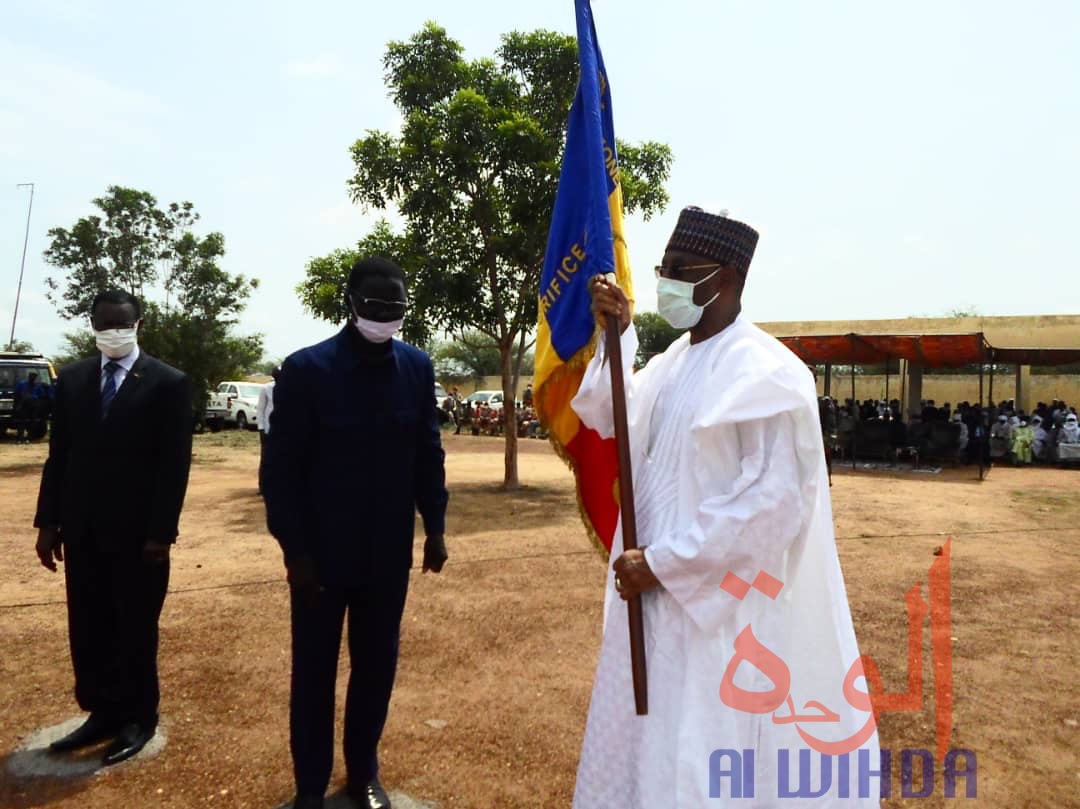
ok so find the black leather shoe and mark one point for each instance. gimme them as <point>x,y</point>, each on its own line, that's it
<point>94,730</point>
<point>308,802</point>
<point>130,740</point>
<point>370,795</point>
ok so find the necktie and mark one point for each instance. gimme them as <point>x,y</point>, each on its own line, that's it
<point>108,392</point>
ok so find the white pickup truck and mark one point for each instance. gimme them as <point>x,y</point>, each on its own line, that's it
<point>233,403</point>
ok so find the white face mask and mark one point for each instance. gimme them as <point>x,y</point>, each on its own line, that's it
<point>375,332</point>
<point>675,301</point>
<point>117,343</point>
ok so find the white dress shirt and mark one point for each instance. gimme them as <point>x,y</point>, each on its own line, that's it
<point>120,374</point>
<point>265,407</point>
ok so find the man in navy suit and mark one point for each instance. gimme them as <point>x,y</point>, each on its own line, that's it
<point>353,453</point>
<point>109,506</point>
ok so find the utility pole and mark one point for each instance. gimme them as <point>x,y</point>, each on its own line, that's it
<point>22,265</point>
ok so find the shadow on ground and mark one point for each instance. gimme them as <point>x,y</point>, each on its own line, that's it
<point>474,507</point>
<point>246,507</point>
<point>484,507</point>
<point>339,800</point>
<point>927,474</point>
<point>34,777</point>
<point>18,470</point>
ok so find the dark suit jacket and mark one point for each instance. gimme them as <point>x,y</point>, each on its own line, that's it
<point>353,452</point>
<point>121,479</point>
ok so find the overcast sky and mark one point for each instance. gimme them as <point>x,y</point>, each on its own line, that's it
<point>898,159</point>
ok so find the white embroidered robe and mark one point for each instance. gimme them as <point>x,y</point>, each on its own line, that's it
<point>729,476</point>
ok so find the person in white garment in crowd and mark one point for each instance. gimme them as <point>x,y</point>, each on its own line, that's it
<point>962,441</point>
<point>1000,437</point>
<point>1014,425</point>
<point>1069,439</point>
<point>1039,438</point>
<point>263,408</point>
<point>738,571</point>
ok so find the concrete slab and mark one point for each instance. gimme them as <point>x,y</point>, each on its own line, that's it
<point>32,759</point>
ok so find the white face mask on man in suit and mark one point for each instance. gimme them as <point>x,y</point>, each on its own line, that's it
<point>116,343</point>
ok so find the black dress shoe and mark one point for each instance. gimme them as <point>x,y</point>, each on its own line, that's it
<point>308,802</point>
<point>94,730</point>
<point>370,795</point>
<point>130,740</point>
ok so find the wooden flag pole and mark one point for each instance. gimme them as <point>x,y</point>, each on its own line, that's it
<point>626,504</point>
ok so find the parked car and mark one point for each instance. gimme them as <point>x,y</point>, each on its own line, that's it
<point>233,403</point>
<point>16,368</point>
<point>493,399</point>
<point>440,395</point>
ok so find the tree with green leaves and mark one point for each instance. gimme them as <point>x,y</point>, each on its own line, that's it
<point>474,172</point>
<point>20,347</point>
<point>322,292</point>
<point>471,355</point>
<point>654,335</point>
<point>190,303</point>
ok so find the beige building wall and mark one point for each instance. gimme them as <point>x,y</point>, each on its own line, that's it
<point>958,388</point>
<point>488,383</point>
<point>951,388</point>
<point>1025,331</point>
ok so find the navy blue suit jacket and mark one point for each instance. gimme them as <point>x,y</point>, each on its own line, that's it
<point>352,453</point>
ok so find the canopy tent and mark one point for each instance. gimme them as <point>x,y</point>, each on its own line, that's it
<point>923,350</point>
<point>1037,356</point>
<point>929,350</point>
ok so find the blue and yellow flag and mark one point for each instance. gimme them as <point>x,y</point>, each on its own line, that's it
<point>586,238</point>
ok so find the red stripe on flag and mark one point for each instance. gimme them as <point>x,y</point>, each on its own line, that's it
<point>597,470</point>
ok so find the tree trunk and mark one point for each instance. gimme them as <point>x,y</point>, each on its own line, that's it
<point>510,473</point>
<point>519,353</point>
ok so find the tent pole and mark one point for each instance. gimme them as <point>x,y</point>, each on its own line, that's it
<point>903,385</point>
<point>854,403</point>
<point>982,427</point>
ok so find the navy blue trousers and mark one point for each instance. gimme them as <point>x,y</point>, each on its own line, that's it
<point>374,615</point>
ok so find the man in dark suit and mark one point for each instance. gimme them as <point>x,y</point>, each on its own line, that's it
<point>353,453</point>
<point>109,505</point>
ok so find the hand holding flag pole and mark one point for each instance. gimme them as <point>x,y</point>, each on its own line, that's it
<point>626,504</point>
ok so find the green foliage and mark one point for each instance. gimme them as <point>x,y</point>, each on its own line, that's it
<point>266,366</point>
<point>474,171</point>
<point>137,246</point>
<point>472,355</point>
<point>322,292</point>
<point>20,347</point>
<point>131,245</point>
<point>654,335</point>
<point>78,345</point>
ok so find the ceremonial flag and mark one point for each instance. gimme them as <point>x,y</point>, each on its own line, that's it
<point>586,238</point>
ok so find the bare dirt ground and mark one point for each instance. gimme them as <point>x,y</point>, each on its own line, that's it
<point>498,652</point>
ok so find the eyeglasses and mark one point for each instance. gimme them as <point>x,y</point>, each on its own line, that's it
<point>382,305</point>
<point>110,326</point>
<point>676,272</point>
